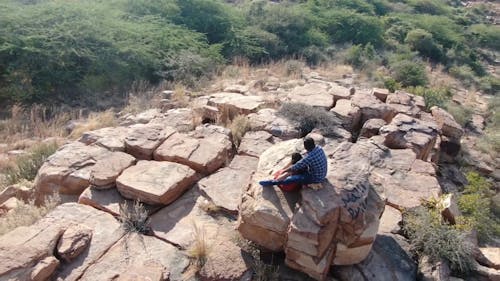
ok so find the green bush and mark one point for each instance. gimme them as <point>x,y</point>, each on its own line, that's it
<point>308,118</point>
<point>474,203</point>
<point>391,84</point>
<point>464,74</point>
<point>359,56</point>
<point>430,236</point>
<point>432,96</point>
<point>26,166</point>
<point>422,41</point>
<point>485,35</point>
<point>490,84</point>
<point>461,114</point>
<point>409,73</point>
<point>433,7</point>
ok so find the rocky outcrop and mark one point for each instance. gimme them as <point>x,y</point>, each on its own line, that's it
<point>232,104</point>
<point>255,143</point>
<point>408,132</point>
<point>371,128</point>
<point>144,139</point>
<point>154,182</point>
<point>349,114</point>
<point>225,187</point>
<point>446,123</point>
<point>371,107</point>
<point>24,250</point>
<point>226,261</point>
<point>104,173</point>
<point>313,94</point>
<point>381,94</point>
<point>73,242</point>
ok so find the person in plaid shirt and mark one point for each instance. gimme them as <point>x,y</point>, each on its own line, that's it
<point>311,169</point>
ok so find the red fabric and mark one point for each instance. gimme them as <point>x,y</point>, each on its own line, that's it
<point>286,187</point>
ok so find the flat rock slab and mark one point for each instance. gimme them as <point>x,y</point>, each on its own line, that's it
<point>268,120</point>
<point>180,222</point>
<point>111,138</point>
<point>104,173</point>
<point>313,94</point>
<point>154,182</point>
<point>225,187</point>
<point>109,200</point>
<point>182,119</point>
<point>68,170</point>
<point>371,107</point>
<point>255,143</point>
<point>204,152</point>
<point>233,103</point>
<point>348,113</point>
<point>226,261</point>
<point>22,248</point>
<point>142,139</point>
<point>135,251</point>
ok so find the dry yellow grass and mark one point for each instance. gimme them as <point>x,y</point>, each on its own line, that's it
<point>180,96</point>
<point>239,126</point>
<point>197,252</point>
<point>96,120</point>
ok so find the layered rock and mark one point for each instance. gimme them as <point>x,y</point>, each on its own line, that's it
<point>381,94</point>
<point>402,102</point>
<point>254,143</point>
<point>154,182</point>
<point>182,119</point>
<point>407,132</point>
<point>446,123</point>
<point>104,173</point>
<point>226,261</point>
<point>225,187</point>
<point>268,120</point>
<point>232,104</point>
<point>23,250</point>
<point>349,114</point>
<point>111,138</point>
<point>313,94</point>
<point>371,128</point>
<point>203,150</point>
<point>339,92</point>
<point>68,170</point>
<point>144,139</point>
<point>371,107</point>
<point>73,242</point>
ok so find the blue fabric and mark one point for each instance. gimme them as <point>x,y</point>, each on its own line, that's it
<point>314,163</point>
<point>299,178</point>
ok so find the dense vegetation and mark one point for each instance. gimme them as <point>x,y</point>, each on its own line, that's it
<point>72,51</point>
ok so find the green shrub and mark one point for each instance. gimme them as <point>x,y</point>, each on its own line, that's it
<point>474,203</point>
<point>461,114</point>
<point>485,35</point>
<point>409,73</point>
<point>432,96</point>
<point>490,84</point>
<point>391,84</point>
<point>432,237</point>
<point>423,42</point>
<point>464,74</point>
<point>26,166</point>
<point>433,7</point>
<point>308,118</point>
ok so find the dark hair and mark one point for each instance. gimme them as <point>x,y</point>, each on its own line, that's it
<point>309,144</point>
<point>296,157</point>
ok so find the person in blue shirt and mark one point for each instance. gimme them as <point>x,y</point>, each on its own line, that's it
<point>311,169</point>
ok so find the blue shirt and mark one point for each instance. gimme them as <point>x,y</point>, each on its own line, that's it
<point>314,163</point>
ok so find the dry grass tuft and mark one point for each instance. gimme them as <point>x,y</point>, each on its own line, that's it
<point>239,126</point>
<point>197,252</point>
<point>134,217</point>
<point>180,96</point>
<point>142,96</point>
<point>96,120</point>
<point>27,214</point>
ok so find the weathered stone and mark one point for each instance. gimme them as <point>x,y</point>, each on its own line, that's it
<point>225,187</point>
<point>235,88</point>
<point>307,264</point>
<point>313,94</point>
<point>389,222</point>
<point>232,104</point>
<point>141,117</point>
<point>155,182</point>
<point>44,269</point>
<point>477,123</point>
<point>225,262</point>
<point>492,254</point>
<point>182,119</point>
<point>24,247</point>
<point>381,94</point>
<point>68,170</point>
<point>10,204</point>
<point>407,132</point>
<point>349,114</point>
<point>268,120</point>
<point>339,92</point>
<point>144,139</point>
<point>449,208</point>
<point>108,200</point>
<point>433,271</point>
<point>386,262</point>
<point>73,242</point>
<point>111,138</point>
<point>371,127</point>
<point>104,173</point>
<point>203,152</point>
<point>184,220</point>
<point>136,251</point>
<point>255,143</point>
<point>265,212</point>
<point>446,123</point>
<point>495,204</point>
<point>371,107</point>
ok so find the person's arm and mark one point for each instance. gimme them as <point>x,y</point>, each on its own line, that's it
<point>303,164</point>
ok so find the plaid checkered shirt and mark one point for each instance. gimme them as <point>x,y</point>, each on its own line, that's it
<point>314,163</point>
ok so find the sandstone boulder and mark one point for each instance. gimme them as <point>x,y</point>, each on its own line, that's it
<point>68,170</point>
<point>204,151</point>
<point>111,138</point>
<point>104,173</point>
<point>446,123</point>
<point>236,88</point>
<point>268,120</point>
<point>226,261</point>
<point>136,251</point>
<point>225,187</point>
<point>371,128</point>
<point>142,140</point>
<point>339,92</point>
<point>141,117</point>
<point>381,94</point>
<point>407,132</point>
<point>349,114</point>
<point>313,94</point>
<point>254,143</point>
<point>232,104</point>
<point>44,269</point>
<point>73,242</point>
<point>371,107</point>
<point>23,248</point>
<point>182,119</point>
<point>154,182</point>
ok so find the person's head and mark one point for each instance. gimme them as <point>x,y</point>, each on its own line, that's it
<point>309,144</point>
<point>296,157</point>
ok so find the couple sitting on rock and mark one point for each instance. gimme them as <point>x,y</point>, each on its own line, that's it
<point>301,171</point>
